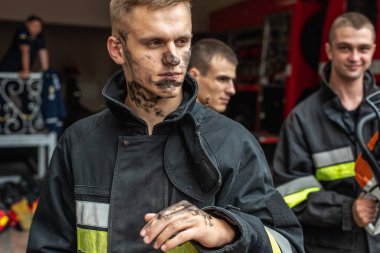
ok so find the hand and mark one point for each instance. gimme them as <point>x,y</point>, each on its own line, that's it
<point>183,222</point>
<point>364,210</point>
<point>24,74</point>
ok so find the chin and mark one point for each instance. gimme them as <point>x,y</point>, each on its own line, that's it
<point>171,92</point>
<point>220,109</point>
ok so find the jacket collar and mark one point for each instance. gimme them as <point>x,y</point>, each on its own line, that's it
<point>369,84</point>
<point>114,93</point>
<point>332,106</point>
<point>189,161</point>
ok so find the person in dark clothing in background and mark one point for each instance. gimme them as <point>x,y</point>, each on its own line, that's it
<point>156,170</point>
<point>314,161</point>
<point>27,43</point>
<point>213,64</point>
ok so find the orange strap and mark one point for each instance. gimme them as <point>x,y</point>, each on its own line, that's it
<point>363,171</point>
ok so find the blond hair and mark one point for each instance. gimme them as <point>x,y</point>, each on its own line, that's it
<point>119,8</point>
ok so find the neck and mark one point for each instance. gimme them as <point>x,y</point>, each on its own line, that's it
<point>153,113</point>
<point>350,92</point>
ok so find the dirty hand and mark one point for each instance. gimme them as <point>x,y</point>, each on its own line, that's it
<point>364,210</point>
<point>183,222</point>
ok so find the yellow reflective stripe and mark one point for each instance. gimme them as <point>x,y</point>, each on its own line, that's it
<point>275,247</point>
<point>184,248</point>
<point>336,172</point>
<point>294,199</point>
<point>93,241</point>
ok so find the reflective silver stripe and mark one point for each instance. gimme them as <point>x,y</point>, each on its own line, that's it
<point>282,242</point>
<point>92,214</point>
<point>375,67</point>
<point>336,156</point>
<point>298,184</point>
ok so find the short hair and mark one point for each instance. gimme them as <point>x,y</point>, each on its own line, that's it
<point>34,18</point>
<point>204,50</point>
<point>119,8</point>
<point>352,19</point>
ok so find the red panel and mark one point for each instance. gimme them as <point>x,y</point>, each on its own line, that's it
<point>334,9</point>
<point>301,73</point>
<point>245,14</point>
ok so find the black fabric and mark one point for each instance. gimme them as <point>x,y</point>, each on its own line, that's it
<point>104,152</point>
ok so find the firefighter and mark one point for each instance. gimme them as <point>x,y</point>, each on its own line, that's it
<point>156,170</point>
<point>213,65</point>
<point>314,162</point>
<point>28,42</point>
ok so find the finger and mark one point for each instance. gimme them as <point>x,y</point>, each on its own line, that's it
<point>172,230</point>
<point>176,207</point>
<point>178,239</point>
<point>166,215</point>
<point>149,216</point>
<point>160,222</point>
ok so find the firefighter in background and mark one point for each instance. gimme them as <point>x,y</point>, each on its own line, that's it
<point>315,158</point>
<point>27,43</point>
<point>213,65</point>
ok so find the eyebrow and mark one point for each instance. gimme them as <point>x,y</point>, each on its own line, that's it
<point>349,44</point>
<point>154,37</point>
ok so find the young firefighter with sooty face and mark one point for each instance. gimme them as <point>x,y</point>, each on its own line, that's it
<point>156,170</point>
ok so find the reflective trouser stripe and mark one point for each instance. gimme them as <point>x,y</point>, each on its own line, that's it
<point>282,242</point>
<point>275,247</point>
<point>94,241</point>
<point>184,248</point>
<point>336,172</point>
<point>294,199</point>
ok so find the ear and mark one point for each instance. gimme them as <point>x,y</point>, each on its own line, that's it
<point>115,50</point>
<point>328,50</point>
<point>194,72</point>
<point>373,49</point>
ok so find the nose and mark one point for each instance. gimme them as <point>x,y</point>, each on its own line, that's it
<point>354,56</point>
<point>170,57</point>
<point>231,88</point>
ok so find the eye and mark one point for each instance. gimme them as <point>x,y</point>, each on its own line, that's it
<point>344,48</point>
<point>364,49</point>
<point>182,42</point>
<point>154,43</point>
<point>223,79</point>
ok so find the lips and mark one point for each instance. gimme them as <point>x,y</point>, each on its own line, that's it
<point>225,101</point>
<point>171,75</point>
<point>354,67</point>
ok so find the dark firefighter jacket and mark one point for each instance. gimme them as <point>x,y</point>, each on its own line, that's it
<point>106,173</point>
<point>314,166</point>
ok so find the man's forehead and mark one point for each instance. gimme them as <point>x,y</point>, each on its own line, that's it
<point>142,16</point>
<point>363,34</point>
